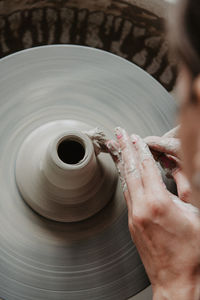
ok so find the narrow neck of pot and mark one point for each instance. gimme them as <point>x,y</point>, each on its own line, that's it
<point>70,161</point>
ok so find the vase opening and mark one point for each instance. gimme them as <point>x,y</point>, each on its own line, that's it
<point>71,151</point>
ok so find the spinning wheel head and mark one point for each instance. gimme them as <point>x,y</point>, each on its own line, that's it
<point>49,97</point>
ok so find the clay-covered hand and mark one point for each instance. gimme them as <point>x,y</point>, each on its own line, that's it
<point>165,230</point>
<point>166,150</point>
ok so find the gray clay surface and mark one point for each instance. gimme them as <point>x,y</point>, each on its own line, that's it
<point>95,259</point>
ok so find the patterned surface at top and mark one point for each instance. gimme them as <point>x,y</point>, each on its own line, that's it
<point>113,25</point>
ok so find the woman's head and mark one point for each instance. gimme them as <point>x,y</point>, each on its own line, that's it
<point>184,33</point>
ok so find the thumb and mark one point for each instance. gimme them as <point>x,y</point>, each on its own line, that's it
<point>115,152</point>
<point>169,146</point>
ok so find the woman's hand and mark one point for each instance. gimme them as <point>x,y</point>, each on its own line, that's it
<point>166,150</point>
<point>165,229</point>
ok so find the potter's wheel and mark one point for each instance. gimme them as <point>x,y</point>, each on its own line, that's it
<point>95,258</point>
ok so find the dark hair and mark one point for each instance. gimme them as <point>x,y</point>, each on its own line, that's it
<point>184,33</point>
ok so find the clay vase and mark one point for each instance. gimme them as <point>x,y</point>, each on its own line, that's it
<point>63,179</point>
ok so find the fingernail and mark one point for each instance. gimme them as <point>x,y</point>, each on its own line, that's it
<point>134,138</point>
<point>118,133</point>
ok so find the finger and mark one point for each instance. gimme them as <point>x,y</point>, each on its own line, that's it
<point>114,150</point>
<point>131,166</point>
<point>183,186</point>
<point>166,145</point>
<point>151,176</point>
<point>171,166</point>
<point>173,133</point>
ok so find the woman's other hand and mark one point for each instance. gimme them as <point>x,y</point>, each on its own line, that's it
<point>166,150</point>
<point>165,229</point>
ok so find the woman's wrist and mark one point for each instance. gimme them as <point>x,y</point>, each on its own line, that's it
<point>178,290</point>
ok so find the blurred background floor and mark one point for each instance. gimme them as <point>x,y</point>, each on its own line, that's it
<point>117,26</point>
